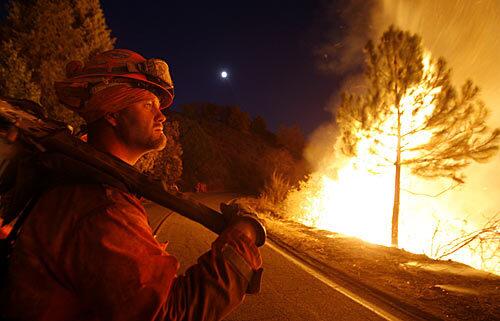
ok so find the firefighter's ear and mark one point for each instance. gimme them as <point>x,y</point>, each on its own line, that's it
<point>112,119</point>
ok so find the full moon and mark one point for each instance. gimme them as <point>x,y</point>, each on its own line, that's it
<point>224,74</point>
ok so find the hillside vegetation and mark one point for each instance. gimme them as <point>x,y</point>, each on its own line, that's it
<point>223,149</point>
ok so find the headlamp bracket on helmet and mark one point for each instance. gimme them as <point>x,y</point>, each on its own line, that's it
<point>154,68</point>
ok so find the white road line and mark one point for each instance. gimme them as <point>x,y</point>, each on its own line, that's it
<point>370,306</point>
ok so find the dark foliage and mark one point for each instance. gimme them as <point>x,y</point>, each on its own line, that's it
<point>38,38</point>
<point>292,139</point>
<point>224,154</point>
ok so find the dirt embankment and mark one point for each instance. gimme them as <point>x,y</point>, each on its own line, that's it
<point>445,289</point>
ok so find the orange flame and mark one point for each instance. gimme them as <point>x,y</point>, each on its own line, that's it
<point>346,196</point>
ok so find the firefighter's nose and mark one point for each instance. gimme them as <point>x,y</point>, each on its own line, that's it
<point>160,117</point>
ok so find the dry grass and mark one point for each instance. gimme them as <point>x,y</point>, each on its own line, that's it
<point>274,193</point>
<point>276,189</point>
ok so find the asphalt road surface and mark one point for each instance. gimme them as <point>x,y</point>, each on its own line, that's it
<point>290,289</point>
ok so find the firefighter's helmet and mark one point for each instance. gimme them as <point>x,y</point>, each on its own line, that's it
<point>109,68</point>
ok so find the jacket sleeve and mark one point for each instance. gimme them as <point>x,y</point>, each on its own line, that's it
<point>216,285</point>
<point>122,273</point>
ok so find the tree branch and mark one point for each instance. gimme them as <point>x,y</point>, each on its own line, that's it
<point>491,230</point>
<point>449,188</point>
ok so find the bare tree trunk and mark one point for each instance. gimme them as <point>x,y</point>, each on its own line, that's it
<point>397,183</point>
<point>395,209</point>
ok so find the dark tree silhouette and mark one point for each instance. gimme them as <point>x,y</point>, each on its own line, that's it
<point>238,119</point>
<point>38,38</point>
<point>258,126</point>
<point>292,139</point>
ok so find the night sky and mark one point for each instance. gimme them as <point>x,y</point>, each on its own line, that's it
<point>265,46</point>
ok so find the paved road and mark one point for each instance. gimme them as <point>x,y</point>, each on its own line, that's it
<point>289,291</point>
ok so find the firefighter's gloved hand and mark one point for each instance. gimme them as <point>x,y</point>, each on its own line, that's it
<point>245,220</point>
<point>242,254</point>
<point>238,243</point>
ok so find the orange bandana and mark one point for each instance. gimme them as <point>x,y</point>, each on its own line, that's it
<point>111,100</point>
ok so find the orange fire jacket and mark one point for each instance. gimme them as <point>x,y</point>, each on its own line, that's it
<point>86,252</point>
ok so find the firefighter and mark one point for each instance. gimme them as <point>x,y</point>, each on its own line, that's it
<point>86,251</point>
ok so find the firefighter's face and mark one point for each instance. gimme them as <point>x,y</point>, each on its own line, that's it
<point>141,125</point>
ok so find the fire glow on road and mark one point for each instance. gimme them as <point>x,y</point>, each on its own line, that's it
<point>337,287</point>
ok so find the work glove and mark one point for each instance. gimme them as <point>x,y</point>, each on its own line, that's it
<point>242,236</point>
<point>243,218</point>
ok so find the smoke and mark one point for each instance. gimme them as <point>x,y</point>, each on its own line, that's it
<point>343,28</point>
<point>321,143</point>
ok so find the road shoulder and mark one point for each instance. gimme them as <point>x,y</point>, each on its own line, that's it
<point>420,285</point>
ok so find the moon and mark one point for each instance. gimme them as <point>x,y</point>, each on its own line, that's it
<point>224,74</point>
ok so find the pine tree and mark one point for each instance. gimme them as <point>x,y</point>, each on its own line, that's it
<point>412,116</point>
<point>16,84</point>
<point>45,35</point>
